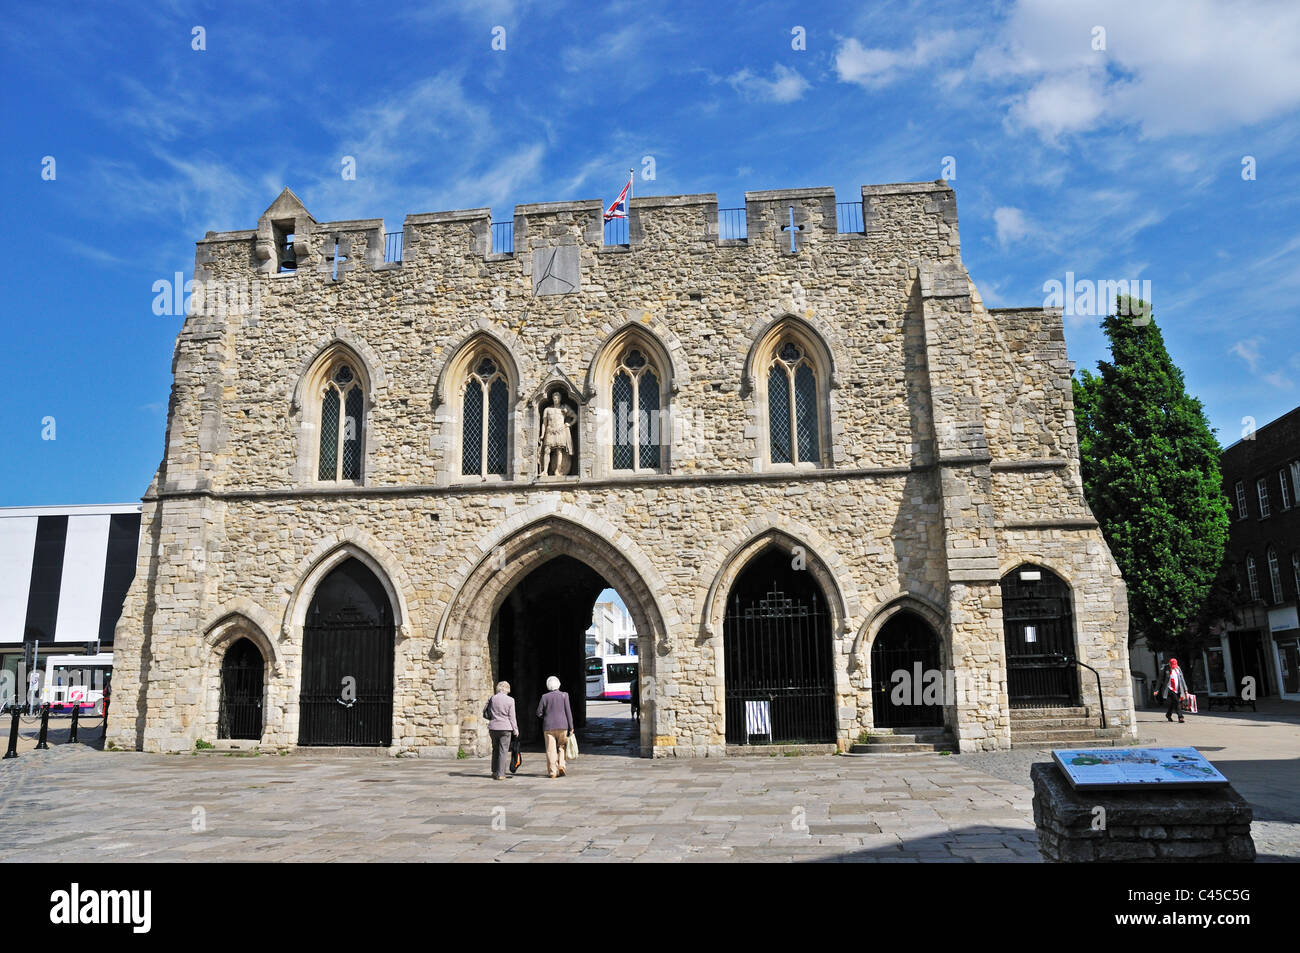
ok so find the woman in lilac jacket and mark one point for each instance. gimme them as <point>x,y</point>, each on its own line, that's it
<point>502,726</point>
<point>557,722</point>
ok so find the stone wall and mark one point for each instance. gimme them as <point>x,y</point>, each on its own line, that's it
<point>950,457</point>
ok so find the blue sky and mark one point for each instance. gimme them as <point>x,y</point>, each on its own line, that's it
<point>1117,163</point>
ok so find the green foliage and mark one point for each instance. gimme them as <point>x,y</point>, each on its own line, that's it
<point>1151,476</point>
<point>202,745</point>
<point>461,754</point>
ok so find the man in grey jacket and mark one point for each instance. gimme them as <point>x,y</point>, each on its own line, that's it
<point>557,722</point>
<point>502,726</point>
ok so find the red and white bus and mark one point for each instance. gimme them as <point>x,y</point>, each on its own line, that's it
<point>610,678</point>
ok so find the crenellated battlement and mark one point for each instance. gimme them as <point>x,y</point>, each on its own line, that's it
<point>780,222</point>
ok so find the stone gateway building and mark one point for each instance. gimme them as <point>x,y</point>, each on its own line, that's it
<point>837,494</point>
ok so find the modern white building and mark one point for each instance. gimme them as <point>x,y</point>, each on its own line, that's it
<point>64,571</point>
<point>612,631</point>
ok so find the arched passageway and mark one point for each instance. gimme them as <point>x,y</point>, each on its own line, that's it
<point>907,681</point>
<point>347,661</point>
<point>777,659</point>
<point>1038,626</point>
<point>242,685</point>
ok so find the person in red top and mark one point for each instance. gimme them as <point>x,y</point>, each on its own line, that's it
<point>1174,688</point>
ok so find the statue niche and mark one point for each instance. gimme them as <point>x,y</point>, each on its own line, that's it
<point>557,440</point>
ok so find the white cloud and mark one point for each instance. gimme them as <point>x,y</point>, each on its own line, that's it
<point>1248,351</point>
<point>1060,104</point>
<point>786,86</point>
<point>1169,66</point>
<point>874,68</point>
<point>1012,225</point>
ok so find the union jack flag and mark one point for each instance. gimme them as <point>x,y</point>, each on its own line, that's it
<point>619,208</point>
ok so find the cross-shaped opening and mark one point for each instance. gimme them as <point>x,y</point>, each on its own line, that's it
<point>794,231</point>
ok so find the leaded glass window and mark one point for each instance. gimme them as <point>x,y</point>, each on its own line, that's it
<point>637,410</point>
<point>342,418</point>
<point>486,420</point>
<point>793,407</point>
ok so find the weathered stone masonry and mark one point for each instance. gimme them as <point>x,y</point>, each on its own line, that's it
<point>950,458</point>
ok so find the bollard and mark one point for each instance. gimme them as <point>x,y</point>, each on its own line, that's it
<point>41,744</point>
<point>14,710</point>
<point>72,733</point>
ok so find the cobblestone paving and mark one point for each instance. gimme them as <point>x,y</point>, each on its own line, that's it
<point>72,802</point>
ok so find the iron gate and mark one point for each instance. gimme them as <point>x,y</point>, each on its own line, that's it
<point>779,681</point>
<point>906,644</point>
<point>240,711</point>
<point>1039,633</point>
<point>347,680</point>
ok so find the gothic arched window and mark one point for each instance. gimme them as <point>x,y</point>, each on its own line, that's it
<point>485,420</point>
<point>342,422</point>
<point>793,412</point>
<point>636,404</point>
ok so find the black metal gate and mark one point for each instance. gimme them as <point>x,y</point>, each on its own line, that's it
<point>779,679</point>
<point>240,711</point>
<point>908,689</point>
<point>1038,625</point>
<point>347,680</point>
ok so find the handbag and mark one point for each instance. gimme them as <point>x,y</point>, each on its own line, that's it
<point>1188,703</point>
<point>571,746</point>
<point>516,758</point>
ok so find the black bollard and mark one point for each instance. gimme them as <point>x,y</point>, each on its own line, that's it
<point>72,733</point>
<point>41,744</point>
<point>14,710</point>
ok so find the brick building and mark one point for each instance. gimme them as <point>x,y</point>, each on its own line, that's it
<point>806,456</point>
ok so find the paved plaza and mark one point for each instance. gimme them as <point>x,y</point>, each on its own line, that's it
<point>73,802</point>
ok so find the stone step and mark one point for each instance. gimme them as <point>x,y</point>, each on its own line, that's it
<point>1034,724</point>
<point>1079,711</point>
<point>1067,734</point>
<point>916,736</point>
<point>901,747</point>
<point>1072,743</point>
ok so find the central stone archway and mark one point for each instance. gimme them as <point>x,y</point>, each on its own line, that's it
<point>531,561</point>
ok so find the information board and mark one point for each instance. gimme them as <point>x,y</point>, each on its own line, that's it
<point>1127,768</point>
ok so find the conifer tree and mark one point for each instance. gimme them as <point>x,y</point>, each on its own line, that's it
<point>1151,476</point>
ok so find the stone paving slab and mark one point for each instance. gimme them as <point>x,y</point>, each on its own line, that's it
<point>76,803</point>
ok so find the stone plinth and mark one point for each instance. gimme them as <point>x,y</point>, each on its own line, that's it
<point>1164,826</point>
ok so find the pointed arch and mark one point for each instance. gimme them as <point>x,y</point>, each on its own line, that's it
<point>481,333</point>
<point>651,334</point>
<point>235,621</point>
<point>926,605</point>
<point>477,393</point>
<point>819,558</point>
<point>790,376</point>
<point>632,379</point>
<point>242,618</point>
<point>343,342</point>
<point>350,543</point>
<point>812,331</point>
<point>335,391</point>
<point>526,542</point>
<point>500,563</point>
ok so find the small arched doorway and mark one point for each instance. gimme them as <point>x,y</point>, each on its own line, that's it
<point>240,712</point>
<point>1038,627</point>
<point>347,661</point>
<point>777,660</point>
<point>908,686</point>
